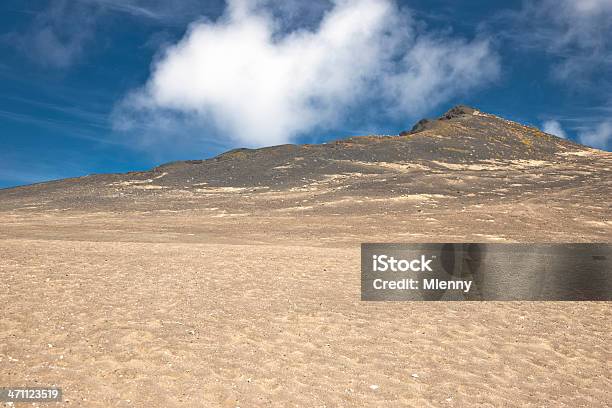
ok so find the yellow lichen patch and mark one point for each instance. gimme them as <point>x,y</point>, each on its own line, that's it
<point>526,141</point>
<point>346,142</point>
<point>235,155</point>
<point>369,138</point>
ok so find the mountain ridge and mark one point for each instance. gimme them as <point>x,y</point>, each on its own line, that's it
<point>426,126</point>
<point>465,154</point>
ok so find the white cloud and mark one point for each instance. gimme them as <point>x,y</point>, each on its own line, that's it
<point>553,127</point>
<point>435,70</point>
<point>49,40</point>
<point>62,31</point>
<point>577,33</point>
<point>249,78</point>
<point>158,11</point>
<point>600,136</point>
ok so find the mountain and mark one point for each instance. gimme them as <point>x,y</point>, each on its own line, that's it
<point>463,154</point>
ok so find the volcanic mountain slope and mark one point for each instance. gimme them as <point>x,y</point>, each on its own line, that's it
<point>464,159</point>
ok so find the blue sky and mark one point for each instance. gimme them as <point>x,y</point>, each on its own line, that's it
<point>96,86</point>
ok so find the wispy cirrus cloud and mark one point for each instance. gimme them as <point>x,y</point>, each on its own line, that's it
<point>49,40</point>
<point>60,33</point>
<point>575,35</point>
<point>251,78</point>
<point>19,168</point>
<point>159,11</point>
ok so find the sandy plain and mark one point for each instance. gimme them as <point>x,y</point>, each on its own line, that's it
<point>191,310</point>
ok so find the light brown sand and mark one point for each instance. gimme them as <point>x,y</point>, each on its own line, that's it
<point>188,310</point>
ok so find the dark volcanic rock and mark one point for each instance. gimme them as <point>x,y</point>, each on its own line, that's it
<point>455,112</point>
<point>458,111</point>
<point>421,125</point>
